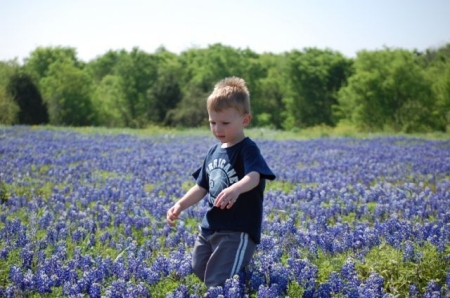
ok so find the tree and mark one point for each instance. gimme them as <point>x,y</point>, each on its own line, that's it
<point>67,93</point>
<point>203,68</point>
<point>440,76</point>
<point>104,65</point>
<point>28,99</point>
<point>315,77</point>
<point>38,63</point>
<point>138,71</point>
<point>109,103</point>
<point>388,89</point>
<point>273,90</point>
<point>191,111</point>
<point>8,107</point>
<point>165,93</point>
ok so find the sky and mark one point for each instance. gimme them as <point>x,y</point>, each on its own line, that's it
<point>93,27</point>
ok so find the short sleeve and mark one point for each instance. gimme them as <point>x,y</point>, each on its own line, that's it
<point>254,162</point>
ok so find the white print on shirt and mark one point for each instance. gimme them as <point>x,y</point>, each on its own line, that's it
<point>221,175</point>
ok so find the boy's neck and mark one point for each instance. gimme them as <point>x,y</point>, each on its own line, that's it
<point>237,141</point>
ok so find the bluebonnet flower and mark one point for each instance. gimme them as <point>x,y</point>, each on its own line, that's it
<point>45,220</point>
<point>22,238</point>
<point>409,252</point>
<point>268,292</point>
<point>27,255</point>
<point>66,288</point>
<point>92,241</point>
<point>74,290</point>
<point>16,276</point>
<point>95,290</point>
<point>324,291</point>
<point>279,275</point>
<point>4,252</point>
<point>302,271</point>
<point>433,290</point>
<point>105,267</point>
<point>257,278</point>
<point>141,291</point>
<point>52,236</point>
<point>117,289</point>
<point>373,286</point>
<point>447,279</point>
<point>61,251</point>
<point>233,288</point>
<point>214,292</point>
<point>148,275</point>
<point>335,282</point>
<point>161,265</point>
<point>349,274</point>
<point>181,292</point>
<point>106,236</point>
<point>43,283</point>
<point>404,213</point>
<point>85,262</point>
<point>127,230</point>
<point>28,280</point>
<point>119,269</point>
<point>12,292</point>
<point>413,291</point>
<point>79,235</point>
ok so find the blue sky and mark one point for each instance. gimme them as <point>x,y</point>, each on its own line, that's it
<point>95,26</point>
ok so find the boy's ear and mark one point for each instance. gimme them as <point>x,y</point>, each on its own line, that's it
<point>247,119</point>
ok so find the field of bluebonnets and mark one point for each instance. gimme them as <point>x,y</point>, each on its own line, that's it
<point>83,215</point>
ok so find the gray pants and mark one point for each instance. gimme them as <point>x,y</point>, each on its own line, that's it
<point>221,255</point>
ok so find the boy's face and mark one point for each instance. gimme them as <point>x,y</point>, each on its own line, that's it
<point>228,126</point>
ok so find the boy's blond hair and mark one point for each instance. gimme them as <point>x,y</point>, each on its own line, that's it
<point>229,93</point>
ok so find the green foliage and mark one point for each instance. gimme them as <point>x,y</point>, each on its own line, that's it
<point>440,76</point>
<point>398,274</point>
<point>67,93</point>
<point>190,111</point>
<point>269,105</point>
<point>4,195</point>
<point>39,62</point>
<point>315,77</point>
<point>281,185</point>
<point>138,71</point>
<point>8,107</point>
<point>165,93</point>
<point>108,101</point>
<point>28,98</point>
<point>295,290</point>
<point>388,89</point>
<point>202,69</point>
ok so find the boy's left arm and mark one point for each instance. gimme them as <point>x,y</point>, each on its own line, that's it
<point>229,195</point>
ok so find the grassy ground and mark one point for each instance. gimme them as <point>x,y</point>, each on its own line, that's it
<point>256,133</point>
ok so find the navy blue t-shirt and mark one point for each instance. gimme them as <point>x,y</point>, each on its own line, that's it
<point>221,168</point>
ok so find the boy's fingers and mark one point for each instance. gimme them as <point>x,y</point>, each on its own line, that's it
<point>171,217</point>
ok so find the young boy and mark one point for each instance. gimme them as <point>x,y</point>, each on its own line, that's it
<point>233,173</point>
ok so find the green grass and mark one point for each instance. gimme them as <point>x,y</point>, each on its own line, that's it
<point>399,275</point>
<point>320,131</point>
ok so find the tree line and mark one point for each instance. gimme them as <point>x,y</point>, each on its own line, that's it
<point>389,89</point>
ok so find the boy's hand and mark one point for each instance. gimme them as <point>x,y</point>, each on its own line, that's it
<point>172,214</point>
<point>227,198</point>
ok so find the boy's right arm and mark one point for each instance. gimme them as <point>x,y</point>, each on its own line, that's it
<point>193,196</point>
